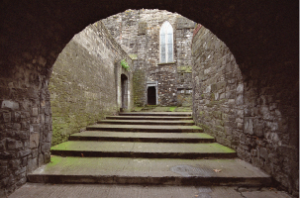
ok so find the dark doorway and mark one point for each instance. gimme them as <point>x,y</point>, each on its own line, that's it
<point>151,96</point>
<point>124,90</point>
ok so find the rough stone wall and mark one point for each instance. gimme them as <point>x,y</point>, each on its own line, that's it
<point>218,89</point>
<point>184,88</point>
<point>138,33</point>
<point>244,112</point>
<point>25,113</point>
<point>84,81</point>
<point>25,118</point>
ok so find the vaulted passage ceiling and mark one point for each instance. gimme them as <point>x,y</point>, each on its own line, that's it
<point>256,31</point>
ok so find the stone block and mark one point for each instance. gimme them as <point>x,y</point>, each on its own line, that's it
<point>20,170</point>
<point>34,111</point>
<point>240,88</point>
<point>17,126</point>
<point>10,105</point>
<point>15,163</point>
<point>46,147</point>
<point>34,128</point>
<point>34,140</point>
<point>222,95</point>
<point>239,125</point>
<point>263,152</point>
<point>258,128</point>
<point>240,113</point>
<point>221,85</point>
<point>24,161</point>
<point>253,152</point>
<point>213,87</point>
<point>257,162</point>
<point>32,164</point>
<point>231,101</point>
<point>14,144</point>
<point>240,100</point>
<point>24,153</point>
<point>35,153</point>
<point>17,116</point>
<point>248,126</point>
<point>22,135</point>
<point>7,117</point>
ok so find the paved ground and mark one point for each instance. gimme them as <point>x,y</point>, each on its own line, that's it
<point>149,171</point>
<point>132,191</point>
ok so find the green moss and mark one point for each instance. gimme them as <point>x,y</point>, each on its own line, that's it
<point>124,64</point>
<point>133,56</point>
<point>212,97</point>
<point>205,127</point>
<point>172,109</point>
<point>54,160</point>
<point>185,69</point>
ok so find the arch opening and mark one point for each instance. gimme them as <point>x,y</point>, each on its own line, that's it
<point>267,56</point>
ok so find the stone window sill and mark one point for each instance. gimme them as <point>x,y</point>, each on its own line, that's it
<point>169,63</point>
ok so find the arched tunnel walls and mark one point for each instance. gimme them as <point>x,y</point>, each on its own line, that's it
<point>84,81</point>
<point>263,36</point>
<point>244,114</point>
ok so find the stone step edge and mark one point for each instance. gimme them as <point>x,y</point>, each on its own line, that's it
<point>142,180</point>
<point>144,154</point>
<point>147,118</point>
<point>146,123</point>
<point>142,139</point>
<point>94,128</point>
<point>156,114</point>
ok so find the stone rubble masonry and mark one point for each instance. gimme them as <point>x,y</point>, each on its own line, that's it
<point>137,31</point>
<point>244,112</point>
<point>85,80</point>
<point>80,95</point>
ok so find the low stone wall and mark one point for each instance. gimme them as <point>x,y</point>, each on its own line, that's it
<point>245,112</point>
<point>85,81</point>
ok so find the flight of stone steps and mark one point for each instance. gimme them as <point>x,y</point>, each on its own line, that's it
<point>147,148</point>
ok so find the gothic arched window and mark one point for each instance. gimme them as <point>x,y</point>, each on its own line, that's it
<point>166,43</point>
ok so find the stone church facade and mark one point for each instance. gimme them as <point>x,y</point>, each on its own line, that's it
<point>160,44</point>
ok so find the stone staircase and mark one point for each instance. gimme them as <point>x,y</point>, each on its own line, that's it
<point>147,149</point>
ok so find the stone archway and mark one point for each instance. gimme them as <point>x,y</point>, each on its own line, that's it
<point>263,36</point>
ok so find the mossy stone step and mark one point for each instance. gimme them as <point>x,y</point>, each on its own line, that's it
<point>156,114</point>
<point>142,137</point>
<point>149,171</point>
<point>149,117</point>
<point>144,128</point>
<point>148,122</point>
<point>146,150</point>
